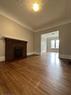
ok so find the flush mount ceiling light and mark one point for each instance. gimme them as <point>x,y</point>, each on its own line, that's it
<point>35,7</point>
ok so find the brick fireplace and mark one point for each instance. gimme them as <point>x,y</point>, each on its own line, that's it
<point>15,49</point>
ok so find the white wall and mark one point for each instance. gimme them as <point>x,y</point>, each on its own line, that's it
<point>43,44</point>
<point>65,41</point>
<point>11,29</point>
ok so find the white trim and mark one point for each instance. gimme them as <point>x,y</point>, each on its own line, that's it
<point>30,28</point>
<point>37,53</point>
<point>52,26</point>
<point>65,56</point>
<point>16,21</point>
<point>2,58</point>
<point>32,53</point>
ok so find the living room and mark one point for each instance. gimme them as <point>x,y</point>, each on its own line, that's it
<point>23,69</point>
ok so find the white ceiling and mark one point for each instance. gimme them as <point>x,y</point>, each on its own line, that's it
<point>52,11</point>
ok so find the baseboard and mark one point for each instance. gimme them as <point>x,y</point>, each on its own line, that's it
<point>33,53</point>
<point>2,58</point>
<point>29,54</point>
<point>65,56</point>
<point>36,53</point>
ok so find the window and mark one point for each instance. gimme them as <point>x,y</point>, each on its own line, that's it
<point>52,43</point>
<point>55,43</point>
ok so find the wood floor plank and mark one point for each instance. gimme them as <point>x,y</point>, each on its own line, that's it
<point>36,75</point>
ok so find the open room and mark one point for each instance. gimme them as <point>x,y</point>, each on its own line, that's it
<point>50,42</point>
<point>35,49</point>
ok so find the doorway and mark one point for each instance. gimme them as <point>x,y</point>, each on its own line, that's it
<point>50,42</point>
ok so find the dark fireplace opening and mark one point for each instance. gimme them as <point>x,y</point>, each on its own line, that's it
<point>18,52</point>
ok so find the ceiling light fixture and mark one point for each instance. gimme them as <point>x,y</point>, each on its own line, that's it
<point>36,7</point>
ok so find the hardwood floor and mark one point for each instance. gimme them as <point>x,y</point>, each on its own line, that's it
<point>36,75</point>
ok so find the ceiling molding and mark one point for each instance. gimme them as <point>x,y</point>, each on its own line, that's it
<point>17,22</point>
<point>31,29</point>
<point>52,26</point>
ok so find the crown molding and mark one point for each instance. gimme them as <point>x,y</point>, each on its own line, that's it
<point>31,29</point>
<point>52,26</point>
<point>17,22</point>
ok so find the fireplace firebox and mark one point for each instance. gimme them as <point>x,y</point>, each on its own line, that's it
<point>18,52</point>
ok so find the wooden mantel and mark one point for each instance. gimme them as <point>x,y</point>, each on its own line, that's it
<point>10,45</point>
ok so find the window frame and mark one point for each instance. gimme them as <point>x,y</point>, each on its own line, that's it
<point>55,44</point>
